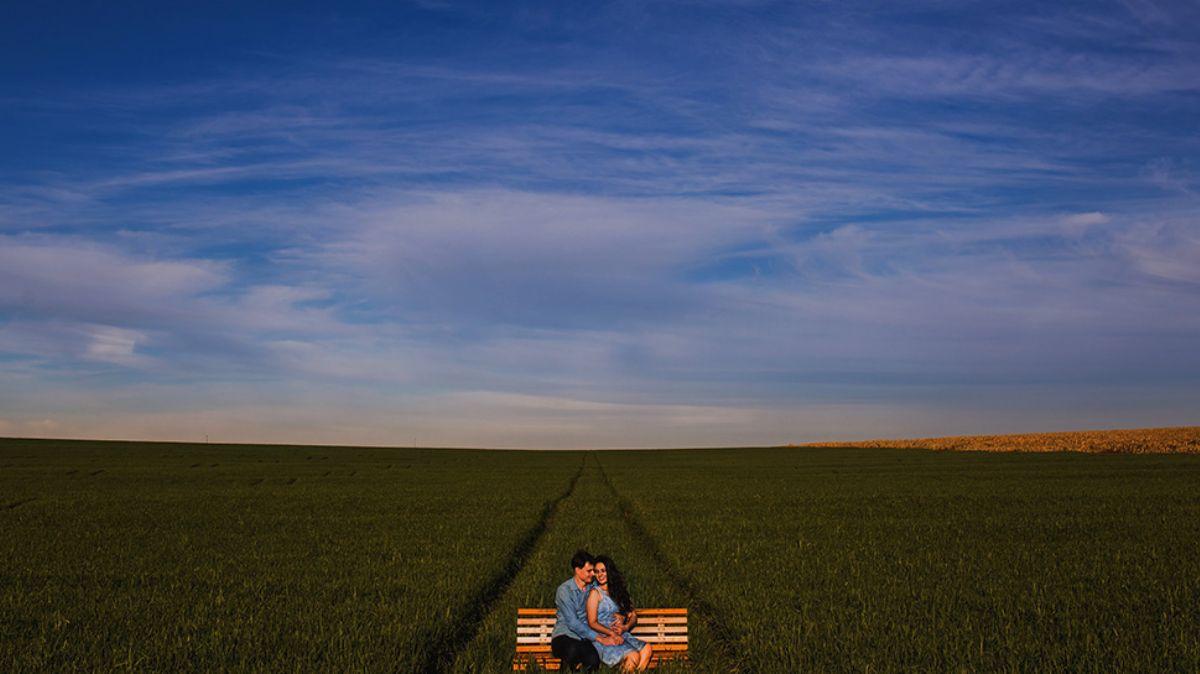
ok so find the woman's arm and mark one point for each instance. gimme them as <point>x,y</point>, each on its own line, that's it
<point>593,606</point>
<point>630,620</point>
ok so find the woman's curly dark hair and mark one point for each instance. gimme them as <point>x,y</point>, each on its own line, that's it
<point>617,589</point>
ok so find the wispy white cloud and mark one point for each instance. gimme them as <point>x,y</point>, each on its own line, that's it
<point>115,345</point>
<point>50,277</point>
<point>994,75</point>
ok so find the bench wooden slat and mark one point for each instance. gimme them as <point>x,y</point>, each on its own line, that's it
<point>535,649</point>
<point>642,620</point>
<point>665,655</point>
<point>648,638</point>
<point>540,652</point>
<point>637,629</point>
<point>646,611</point>
<point>530,612</point>
<point>667,630</point>
<point>661,654</point>
<point>553,664</point>
<point>669,638</point>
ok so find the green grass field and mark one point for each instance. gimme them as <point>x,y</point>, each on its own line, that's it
<point>166,556</point>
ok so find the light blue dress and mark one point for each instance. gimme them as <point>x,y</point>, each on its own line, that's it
<point>606,612</point>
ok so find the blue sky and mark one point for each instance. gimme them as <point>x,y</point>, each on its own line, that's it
<point>598,224</point>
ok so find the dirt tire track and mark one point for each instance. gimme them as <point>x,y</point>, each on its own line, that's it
<point>727,638</point>
<point>440,655</point>
<point>18,504</point>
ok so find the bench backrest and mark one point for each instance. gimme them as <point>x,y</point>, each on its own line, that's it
<point>666,628</point>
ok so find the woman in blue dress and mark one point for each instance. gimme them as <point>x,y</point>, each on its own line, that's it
<point>610,613</point>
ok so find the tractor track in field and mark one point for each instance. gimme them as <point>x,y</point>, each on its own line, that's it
<point>727,638</point>
<point>439,657</point>
<point>18,504</point>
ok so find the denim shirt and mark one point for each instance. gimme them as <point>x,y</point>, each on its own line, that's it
<point>572,611</point>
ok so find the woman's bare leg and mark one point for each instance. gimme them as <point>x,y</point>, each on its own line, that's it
<point>644,656</point>
<point>630,662</point>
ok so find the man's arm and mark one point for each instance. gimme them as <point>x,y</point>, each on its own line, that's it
<point>566,611</point>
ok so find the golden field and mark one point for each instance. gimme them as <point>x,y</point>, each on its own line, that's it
<point>1177,440</point>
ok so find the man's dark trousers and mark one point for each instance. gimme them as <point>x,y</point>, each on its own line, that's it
<point>575,652</point>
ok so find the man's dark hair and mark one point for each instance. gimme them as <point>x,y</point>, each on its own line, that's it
<point>581,559</point>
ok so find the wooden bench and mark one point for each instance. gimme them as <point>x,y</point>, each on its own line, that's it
<point>663,628</point>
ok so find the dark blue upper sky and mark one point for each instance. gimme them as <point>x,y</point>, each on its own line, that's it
<point>628,223</point>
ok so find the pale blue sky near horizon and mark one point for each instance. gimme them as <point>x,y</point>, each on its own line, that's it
<point>624,224</point>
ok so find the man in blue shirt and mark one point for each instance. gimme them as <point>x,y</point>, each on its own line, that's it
<point>571,640</point>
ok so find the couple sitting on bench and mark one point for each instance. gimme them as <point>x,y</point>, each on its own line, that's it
<point>594,618</point>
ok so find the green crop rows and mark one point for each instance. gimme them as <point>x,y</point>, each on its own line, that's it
<point>852,559</point>
<point>191,558</point>
<point>129,556</point>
